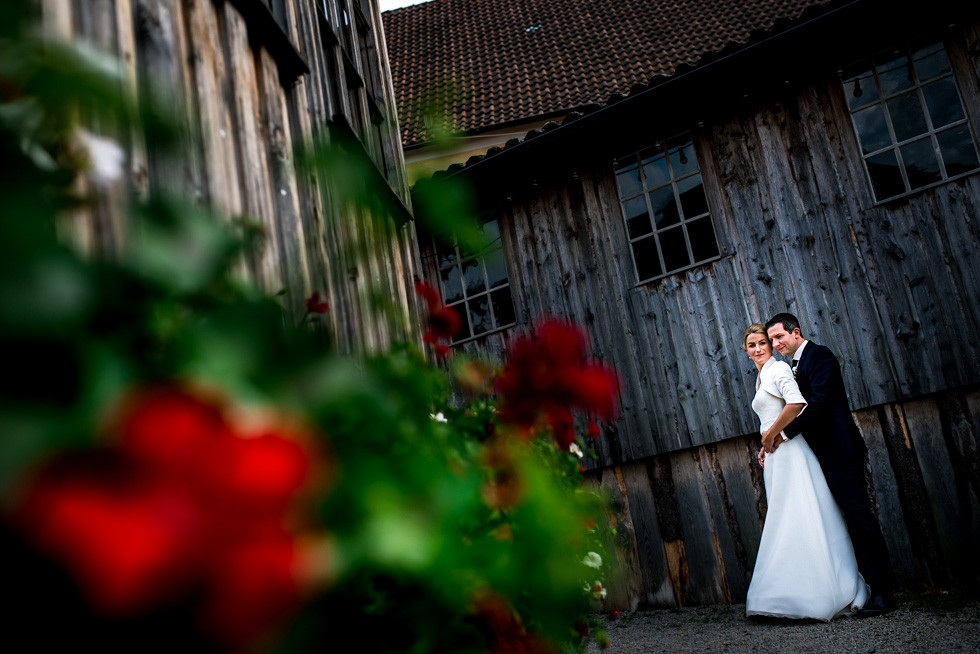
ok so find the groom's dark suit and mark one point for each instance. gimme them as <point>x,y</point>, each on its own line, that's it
<point>829,429</point>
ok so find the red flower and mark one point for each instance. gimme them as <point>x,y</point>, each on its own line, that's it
<point>442,322</point>
<point>265,472</point>
<point>314,305</point>
<point>129,540</point>
<point>183,503</point>
<point>595,390</point>
<point>508,633</point>
<point>560,420</point>
<point>425,291</point>
<point>176,433</point>
<point>253,585</point>
<point>547,374</point>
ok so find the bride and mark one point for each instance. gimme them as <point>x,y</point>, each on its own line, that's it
<point>805,567</point>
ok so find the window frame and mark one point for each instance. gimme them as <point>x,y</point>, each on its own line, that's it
<point>859,71</point>
<point>635,158</point>
<point>354,87</point>
<point>442,243</point>
<point>267,23</point>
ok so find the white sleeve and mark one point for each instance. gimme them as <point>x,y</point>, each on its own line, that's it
<point>782,376</point>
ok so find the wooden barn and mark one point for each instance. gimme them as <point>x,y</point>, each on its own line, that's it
<point>824,163</point>
<point>251,79</point>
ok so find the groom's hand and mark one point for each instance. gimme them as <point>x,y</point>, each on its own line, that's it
<point>767,440</point>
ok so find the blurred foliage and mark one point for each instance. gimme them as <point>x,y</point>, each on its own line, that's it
<point>436,527</point>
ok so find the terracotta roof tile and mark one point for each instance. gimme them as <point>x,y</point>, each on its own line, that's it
<point>482,63</point>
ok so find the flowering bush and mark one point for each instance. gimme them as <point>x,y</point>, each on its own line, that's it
<point>547,375</point>
<point>442,322</point>
<point>183,470</point>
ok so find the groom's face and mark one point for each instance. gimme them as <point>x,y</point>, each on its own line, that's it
<point>784,342</point>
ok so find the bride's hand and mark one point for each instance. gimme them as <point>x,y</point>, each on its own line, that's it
<point>762,457</point>
<point>767,440</point>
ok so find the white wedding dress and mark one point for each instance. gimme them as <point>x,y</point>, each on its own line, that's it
<point>806,566</point>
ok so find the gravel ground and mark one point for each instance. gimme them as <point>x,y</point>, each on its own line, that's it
<point>946,622</point>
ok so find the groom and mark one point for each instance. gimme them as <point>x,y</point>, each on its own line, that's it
<point>831,433</point>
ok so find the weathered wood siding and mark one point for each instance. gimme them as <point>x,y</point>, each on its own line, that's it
<point>893,289</point>
<point>690,521</point>
<point>203,59</point>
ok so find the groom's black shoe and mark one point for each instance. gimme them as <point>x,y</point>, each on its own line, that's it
<point>877,605</point>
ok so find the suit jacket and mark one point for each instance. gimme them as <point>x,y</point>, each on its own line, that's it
<point>826,423</point>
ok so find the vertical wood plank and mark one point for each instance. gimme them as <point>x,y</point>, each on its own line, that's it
<point>660,543</point>
<point>255,185</point>
<point>626,589</point>
<point>162,53</point>
<point>926,433</point>
<point>894,526</point>
<point>212,87</point>
<point>285,219</point>
<point>706,579</point>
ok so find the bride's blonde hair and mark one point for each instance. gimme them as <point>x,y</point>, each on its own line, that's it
<point>754,328</point>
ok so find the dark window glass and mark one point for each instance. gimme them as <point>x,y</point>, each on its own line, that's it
<point>446,252</point>
<point>503,306</point>
<point>655,170</point>
<point>452,285</point>
<point>860,90</point>
<point>279,12</point>
<point>628,180</point>
<point>496,270</point>
<point>693,202</point>
<point>681,233</point>
<point>872,129</point>
<point>473,277</point>
<point>682,159</point>
<point>894,74</point>
<point>958,152</point>
<point>907,117</point>
<point>493,257</point>
<point>923,106</point>
<point>921,164</point>
<point>480,319</point>
<point>943,102</point>
<point>664,204</point>
<point>886,177</point>
<point>931,61</point>
<point>637,217</point>
<point>647,259</point>
<point>464,319</point>
<point>674,249</point>
<point>702,236</point>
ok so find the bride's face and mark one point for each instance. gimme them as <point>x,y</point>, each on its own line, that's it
<point>758,348</point>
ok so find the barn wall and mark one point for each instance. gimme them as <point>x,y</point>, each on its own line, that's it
<point>245,112</point>
<point>690,522</point>
<point>892,288</point>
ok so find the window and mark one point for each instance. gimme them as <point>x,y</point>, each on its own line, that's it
<point>278,8</point>
<point>909,120</point>
<point>476,285</point>
<point>665,209</point>
<point>353,78</point>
